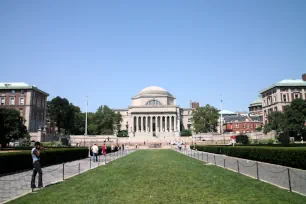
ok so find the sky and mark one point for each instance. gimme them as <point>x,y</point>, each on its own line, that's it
<point>110,50</point>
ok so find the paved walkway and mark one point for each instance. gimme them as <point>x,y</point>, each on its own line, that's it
<point>284,177</point>
<point>18,184</point>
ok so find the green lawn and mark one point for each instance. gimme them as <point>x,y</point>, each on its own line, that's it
<point>161,176</point>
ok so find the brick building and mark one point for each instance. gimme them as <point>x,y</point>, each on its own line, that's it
<point>241,123</point>
<point>281,94</point>
<point>30,101</point>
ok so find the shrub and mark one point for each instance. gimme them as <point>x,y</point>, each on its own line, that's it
<point>259,129</point>
<point>186,133</point>
<point>242,139</point>
<point>123,133</point>
<point>18,161</point>
<point>286,156</point>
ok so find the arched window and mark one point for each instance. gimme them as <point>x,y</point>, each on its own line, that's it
<point>153,103</point>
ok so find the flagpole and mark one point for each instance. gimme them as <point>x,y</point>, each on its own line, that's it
<point>85,134</point>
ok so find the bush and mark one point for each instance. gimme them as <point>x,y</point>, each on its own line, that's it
<point>242,139</point>
<point>186,133</point>
<point>259,129</point>
<point>123,133</point>
<point>18,161</point>
<point>286,156</point>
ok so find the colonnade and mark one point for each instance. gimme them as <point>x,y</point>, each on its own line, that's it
<point>152,123</point>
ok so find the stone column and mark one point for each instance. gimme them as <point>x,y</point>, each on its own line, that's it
<point>151,123</point>
<point>175,124</point>
<point>166,123</point>
<point>141,124</point>
<point>160,123</point>
<point>289,98</point>
<point>146,124</point>
<point>170,123</point>
<point>136,123</point>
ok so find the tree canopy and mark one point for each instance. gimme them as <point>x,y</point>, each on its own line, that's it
<point>104,121</point>
<point>70,120</point>
<point>289,123</point>
<point>205,119</point>
<point>63,113</point>
<point>11,125</point>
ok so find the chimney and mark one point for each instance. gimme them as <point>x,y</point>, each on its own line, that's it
<point>304,77</point>
<point>190,104</point>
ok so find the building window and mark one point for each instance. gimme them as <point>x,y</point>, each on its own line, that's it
<point>251,126</point>
<point>243,126</point>
<point>237,125</point>
<point>12,91</point>
<point>21,101</point>
<point>12,100</point>
<point>264,102</point>
<point>275,108</point>
<point>284,98</point>
<point>296,95</point>
<point>22,91</point>
<point>274,99</point>
<point>256,125</point>
<point>189,120</point>
<point>21,112</point>
<point>3,101</point>
<point>153,103</point>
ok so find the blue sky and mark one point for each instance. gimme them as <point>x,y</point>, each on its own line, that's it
<point>110,50</point>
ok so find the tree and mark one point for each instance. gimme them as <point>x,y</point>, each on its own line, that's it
<point>205,119</point>
<point>11,126</point>
<point>64,114</point>
<point>276,122</point>
<point>106,121</point>
<point>295,117</point>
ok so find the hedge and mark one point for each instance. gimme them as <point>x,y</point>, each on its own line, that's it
<point>186,133</point>
<point>286,156</point>
<point>18,161</point>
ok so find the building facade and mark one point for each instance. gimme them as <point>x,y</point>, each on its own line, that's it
<point>154,112</point>
<point>281,94</point>
<point>241,123</point>
<point>30,101</point>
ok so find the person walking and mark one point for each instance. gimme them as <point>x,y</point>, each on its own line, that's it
<point>112,148</point>
<point>104,149</point>
<point>35,152</point>
<point>95,150</point>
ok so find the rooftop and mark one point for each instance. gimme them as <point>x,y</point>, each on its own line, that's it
<point>20,85</point>
<point>227,112</point>
<point>258,101</point>
<point>286,83</point>
<point>153,91</point>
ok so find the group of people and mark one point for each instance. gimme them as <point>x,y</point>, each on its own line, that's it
<point>181,144</point>
<point>95,151</point>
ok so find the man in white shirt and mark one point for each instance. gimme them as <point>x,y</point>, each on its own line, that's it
<point>95,150</point>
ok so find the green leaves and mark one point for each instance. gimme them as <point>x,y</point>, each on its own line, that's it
<point>11,125</point>
<point>104,121</point>
<point>289,123</point>
<point>205,119</point>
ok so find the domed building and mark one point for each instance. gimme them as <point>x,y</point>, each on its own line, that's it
<point>154,112</point>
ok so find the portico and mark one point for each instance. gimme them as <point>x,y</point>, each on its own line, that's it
<point>154,113</point>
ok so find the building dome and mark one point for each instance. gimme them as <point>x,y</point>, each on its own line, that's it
<point>153,91</point>
<point>257,102</point>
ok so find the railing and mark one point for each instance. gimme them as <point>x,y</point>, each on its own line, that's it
<point>284,177</point>
<point>14,185</point>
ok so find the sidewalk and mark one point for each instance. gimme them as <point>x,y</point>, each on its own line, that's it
<point>15,185</point>
<point>282,176</point>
